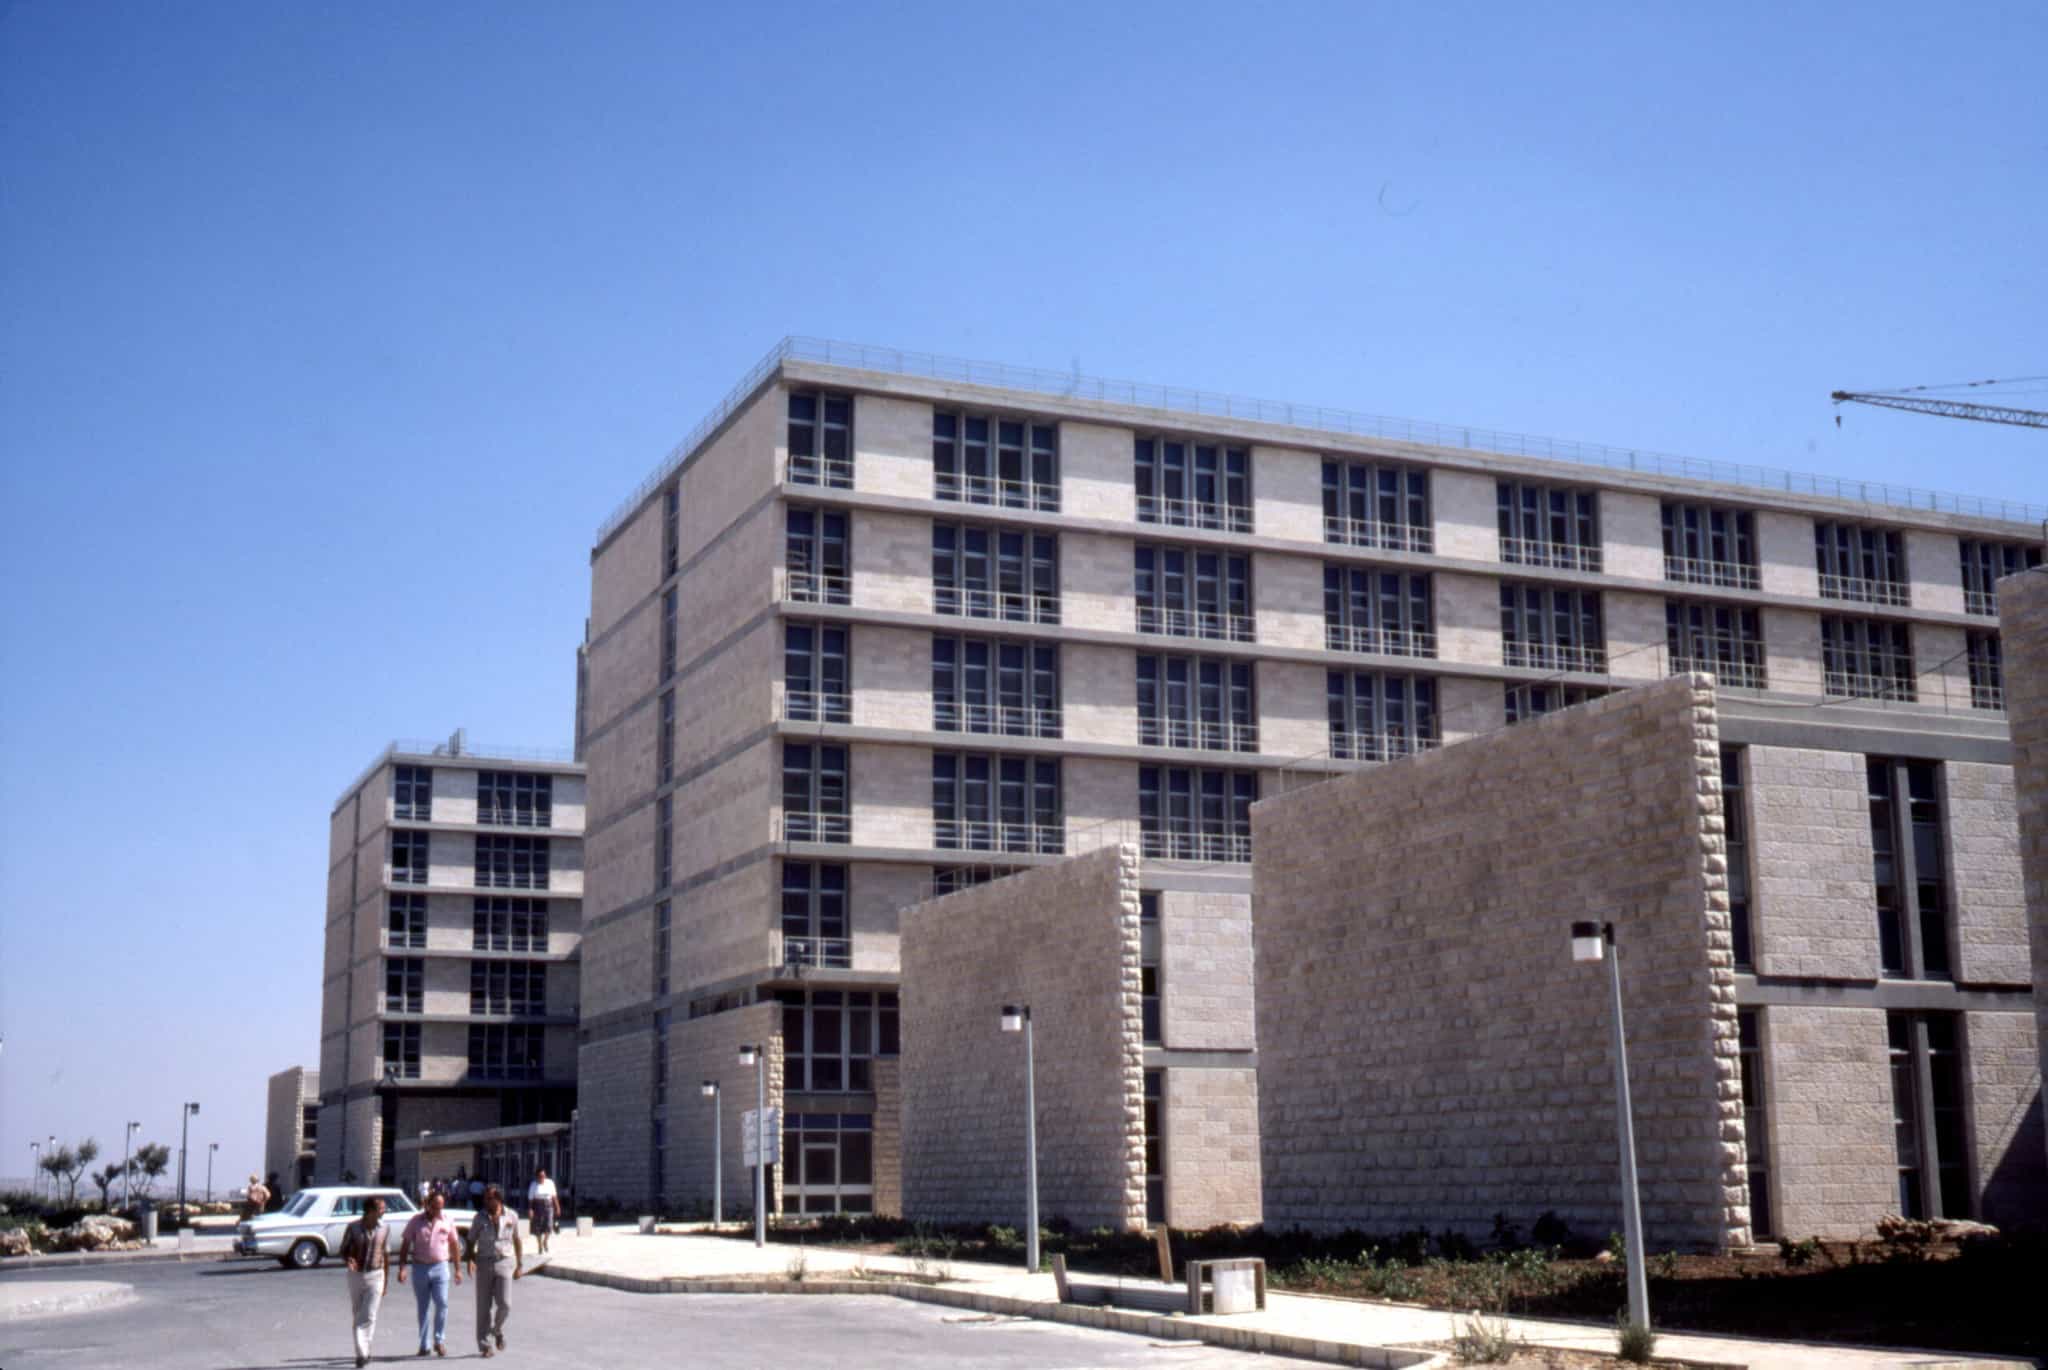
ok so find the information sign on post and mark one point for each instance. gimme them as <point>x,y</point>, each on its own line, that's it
<point>750,1138</point>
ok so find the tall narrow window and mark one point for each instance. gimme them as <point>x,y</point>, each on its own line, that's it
<point>1188,813</point>
<point>1985,563</point>
<point>1376,717</point>
<point>1001,573</point>
<point>1155,1146</point>
<point>406,920</point>
<point>1371,505</point>
<point>1148,1001</point>
<point>816,560</point>
<point>664,841</point>
<point>1859,563</point>
<point>815,795</point>
<point>1910,869</point>
<point>668,633</point>
<point>1866,658</point>
<point>1194,592</point>
<point>1193,484</point>
<point>983,802</point>
<point>1707,544</point>
<point>405,979</point>
<point>408,857</point>
<point>664,946</point>
<point>985,459</point>
<point>814,674</point>
<point>814,926</point>
<point>412,793</point>
<point>820,439</point>
<point>1383,612</point>
<point>1551,628</point>
<point>1987,672</point>
<point>1548,525</point>
<point>1735,828</point>
<point>671,530</point>
<point>1928,1126</point>
<point>1725,640</point>
<point>402,1051</point>
<point>1755,1123</point>
<point>1196,701</point>
<point>995,685</point>
<point>665,739</point>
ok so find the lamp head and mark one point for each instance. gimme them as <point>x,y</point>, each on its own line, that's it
<point>1589,941</point>
<point>710,1088</point>
<point>1015,1016</point>
<point>749,1054</point>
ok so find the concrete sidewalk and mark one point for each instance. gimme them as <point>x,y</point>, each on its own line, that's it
<point>51,1298</point>
<point>1339,1331</point>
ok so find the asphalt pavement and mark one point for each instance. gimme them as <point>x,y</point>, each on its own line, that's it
<point>252,1315</point>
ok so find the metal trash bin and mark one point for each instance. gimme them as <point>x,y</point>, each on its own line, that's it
<point>145,1221</point>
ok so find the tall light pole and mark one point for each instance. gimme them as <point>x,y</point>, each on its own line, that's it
<point>711,1092</point>
<point>185,1112</point>
<point>1592,942</point>
<point>211,1147</point>
<point>50,1149</point>
<point>757,1057</point>
<point>1017,1018</point>
<point>127,1173</point>
<point>35,1170</point>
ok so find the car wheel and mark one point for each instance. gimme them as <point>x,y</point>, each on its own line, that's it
<point>306,1254</point>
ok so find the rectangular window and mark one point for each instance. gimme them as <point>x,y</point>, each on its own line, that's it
<point>405,980</point>
<point>995,685</point>
<point>1193,592</point>
<point>664,946</point>
<point>828,1163</point>
<point>1375,717</point>
<point>506,1051</point>
<point>1910,868</point>
<point>817,564</point>
<point>1545,697</point>
<point>1148,906</point>
<point>1985,563</point>
<point>1369,609</point>
<point>671,530</point>
<point>1148,1002</point>
<point>507,923</point>
<point>517,987</point>
<point>1707,544</point>
<point>1196,701</point>
<point>1189,813</point>
<point>1155,1146</point>
<point>668,633</point>
<point>664,841</point>
<point>814,922</point>
<point>992,802</point>
<point>1866,658</point>
<point>1548,525</point>
<point>1193,484</point>
<point>1735,829</point>
<point>1867,565</point>
<point>665,738</point>
<point>1755,1123</point>
<point>814,674</point>
<point>662,1019</point>
<point>406,920</point>
<point>402,1051</point>
<point>1001,573</point>
<point>820,439</point>
<point>1724,640</point>
<point>986,459</point>
<point>816,804</point>
<point>830,1038</point>
<point>1987,672</point>
<point>1367,504</point>
<point>412,793</point>
<point>408,857</point>
<point>511,863</point>
<point>1929,1134</point>
<point>1551,628</point>
<point>515,799</point>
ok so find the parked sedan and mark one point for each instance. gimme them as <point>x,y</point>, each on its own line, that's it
<point>308,1228</point>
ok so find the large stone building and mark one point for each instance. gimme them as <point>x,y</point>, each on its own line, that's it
<point>886,624</point>
<point>454,921</point>
<point>291,1127</point>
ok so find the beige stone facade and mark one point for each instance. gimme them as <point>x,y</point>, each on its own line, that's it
<point>291,1127</point>
<point>2023,618</point>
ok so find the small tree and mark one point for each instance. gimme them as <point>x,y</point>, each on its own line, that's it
<point>58,1163</point>
<point>104,1178</point>
<point>83,1155</point>
<point>149,1162</point>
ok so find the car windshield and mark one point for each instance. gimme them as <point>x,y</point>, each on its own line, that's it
<point>301,1203</point>
<point>395,1202</point>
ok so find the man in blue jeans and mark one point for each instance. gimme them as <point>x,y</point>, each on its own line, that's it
<point>433,1243</point>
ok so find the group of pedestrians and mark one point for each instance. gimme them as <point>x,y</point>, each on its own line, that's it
<point>434,1252</point>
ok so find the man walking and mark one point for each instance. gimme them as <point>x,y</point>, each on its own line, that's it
<point>542,1206</point>
<point>431,1242</point>
<point>369,1272</point>
<point>494,1256</point>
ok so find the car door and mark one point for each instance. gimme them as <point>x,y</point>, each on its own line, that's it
<point>347,1208</point>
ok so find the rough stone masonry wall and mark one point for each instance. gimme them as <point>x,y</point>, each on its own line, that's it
<point>1429,1054</point>
<point>2023,625</point>
<point>1063,939</point>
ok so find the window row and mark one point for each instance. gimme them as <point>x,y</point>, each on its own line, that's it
<point>498,923</point>
<point>830,1038</point>
<point>505,987</point>
<point>507,798</point>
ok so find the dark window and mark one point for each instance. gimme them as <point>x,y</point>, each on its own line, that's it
<point>1706,544</point>
<point>1196,701</point>
<point>1910,868</point>
<point>515,799</point>
<point>1148,906</point>
<point>995,573</point>
<point>984,459</point>
<point>1985,563</point>
<point>1725,640</point>
<point>1866,658</point>
<point>830,1038</point>
<point>1372,505</point>
<point>508,987</point>
<point>1148,1001</point>
<point>1550,628</point>
<point>1859,563</point>
<point>665,738</point>
<point>1377,717</point>
<point>1735,828</point>
<point>984,802</point>
<point>507,923</point>
<point>814,680</point>
<point>1548,525</point>
<point>815,797</point>
<point>671,531</point>
<point>506,1051</point>
<point>664,946</point>
<point>511,863</point>
<point>408,857</point>
<point>668,633</point>
<point>1155,1146</point>
<point>1192,592</point>
<point>664,841</point>
<point>1987,672</point>
<point>814,926</point>
<point>1367,609</point>
<point>406,916</point>
<point>402,1051</point>
<point>1193,484</point>
<point>1755,1123</point>
<point>662,1019</point>
<point>1546,697</point>
<point>405,984</point>
<point>815,557</point>
<point>412,793</point>
<point>995,685</point>
<point>1189,813</point>
<point>953,879</point>
<point>820,439</point>
<point>828,1163</point>
<point>1928,1129</point>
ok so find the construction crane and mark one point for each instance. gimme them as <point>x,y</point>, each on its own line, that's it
<point>1914,400</point>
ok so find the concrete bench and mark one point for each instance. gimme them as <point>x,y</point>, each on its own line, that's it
<point>1196,1296</point>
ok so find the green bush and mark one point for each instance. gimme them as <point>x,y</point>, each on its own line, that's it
<point>1480,1341</point>
<point>1799,1253</point>
<point>1634,1342</point>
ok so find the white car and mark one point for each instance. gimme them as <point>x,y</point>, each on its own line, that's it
<point>309,1227</point>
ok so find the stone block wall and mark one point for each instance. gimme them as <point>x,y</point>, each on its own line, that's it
<point>1814,898</point>
<point>2023,626</point>
<point>1212,1147</point>
<point>1205,971</point>
<point>888,1156</point>
<point>1428,1051</point>
<point>2005,1118</point>
<point>1984,870</point>
<point>1829,1104</point>
<point>1063,939</point>
<point>708,1048</point>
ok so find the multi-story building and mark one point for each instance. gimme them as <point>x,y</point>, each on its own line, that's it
<point>291,1128</point>
<point>887,624</point>
<point>454,920</point>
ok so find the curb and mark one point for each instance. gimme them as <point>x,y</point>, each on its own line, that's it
<point>56,1259</point>
<point>66,1303</point>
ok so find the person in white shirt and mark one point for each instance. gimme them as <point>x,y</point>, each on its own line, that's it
<point>541,1209</point>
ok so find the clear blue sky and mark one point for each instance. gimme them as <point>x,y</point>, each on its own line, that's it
<point>328,333</point>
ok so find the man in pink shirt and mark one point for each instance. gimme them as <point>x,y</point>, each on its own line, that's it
<point>433,1243</point>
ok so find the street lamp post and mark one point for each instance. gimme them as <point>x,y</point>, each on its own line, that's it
<point>185,1112</point>
<point>127,1174</point>
<point>211,1147</point>
<point>1594,942</point>
<point>35,1170</point>
<point>712,1093</point>
<point>1017,1018</point>
<point>757,1057</point>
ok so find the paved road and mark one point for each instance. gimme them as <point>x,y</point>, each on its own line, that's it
<point>255,1316</point>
